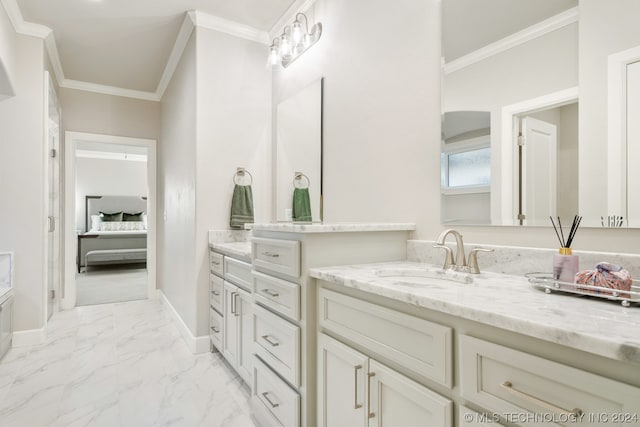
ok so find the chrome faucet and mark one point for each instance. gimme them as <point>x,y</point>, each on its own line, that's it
<point>459,263</point>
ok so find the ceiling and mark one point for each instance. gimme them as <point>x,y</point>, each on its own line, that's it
<point>127,43</point>
<point>468,25</point>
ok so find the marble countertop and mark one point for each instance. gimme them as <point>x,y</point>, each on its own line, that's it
<point>240,250</point>
<point>507,302</point>
<point>332,227</point>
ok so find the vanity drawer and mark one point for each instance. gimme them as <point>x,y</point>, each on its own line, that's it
<point>280,256</point>
<point>470,418</point>
<point>278,344</point>
<point>507,381</point>
<point>215,328</point>
<point>417,344</point>
<point>274,403</point>
<point>238,272</point>
<point>216,286</point>
<point>216,264</point>
<point>277,294</point>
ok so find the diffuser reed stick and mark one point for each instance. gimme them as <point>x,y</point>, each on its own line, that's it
<point>565,264</point>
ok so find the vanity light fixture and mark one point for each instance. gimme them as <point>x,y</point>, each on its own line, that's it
<point>294,41</point>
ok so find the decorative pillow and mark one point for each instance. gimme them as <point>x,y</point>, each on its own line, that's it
<point>121,226</point>
<point>95,222</point>
<point>132,216</point>
<point>110,217</point>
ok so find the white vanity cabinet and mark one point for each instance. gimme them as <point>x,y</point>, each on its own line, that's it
<point>6,325</point>
<point>237,339</point>
<point>355,390</point>
<point>285,323</point>
<point>231,308</point>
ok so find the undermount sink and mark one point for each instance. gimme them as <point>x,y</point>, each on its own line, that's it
<point>420,276</point>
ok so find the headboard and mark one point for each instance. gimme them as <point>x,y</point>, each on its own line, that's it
<point>96,204</point>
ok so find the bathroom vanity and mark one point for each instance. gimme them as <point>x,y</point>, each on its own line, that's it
<point>6,302</point>
<point>408,344</point>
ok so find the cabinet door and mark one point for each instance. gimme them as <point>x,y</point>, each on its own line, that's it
<point>245,335</point>
<point>341,385</point>
<point>230,324</point>
<point>399,401</point>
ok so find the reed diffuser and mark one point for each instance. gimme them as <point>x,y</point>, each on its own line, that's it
<point>565,264</point>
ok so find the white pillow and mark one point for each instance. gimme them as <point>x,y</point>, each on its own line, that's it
<point>122,226</point>
<point>95,222</point>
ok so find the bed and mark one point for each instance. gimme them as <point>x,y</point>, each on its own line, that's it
<point>117,232</point>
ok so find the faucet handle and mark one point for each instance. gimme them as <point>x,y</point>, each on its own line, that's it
<point>473,259</point>
<point>448,256</point>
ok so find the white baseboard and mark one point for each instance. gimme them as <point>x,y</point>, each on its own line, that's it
<point>28,338</point>
<point>196,344</point>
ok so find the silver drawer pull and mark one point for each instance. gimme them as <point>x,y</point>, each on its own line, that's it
<point>270,340</point>
<point>576,412</point>
<point>356,405</point>
<point>215,262</point>
<point>215,330</point>
<point>266,397</point>
<point>271,293</point>
<point>216,293</point>
<point>369,376</point>
<point>271,254</point>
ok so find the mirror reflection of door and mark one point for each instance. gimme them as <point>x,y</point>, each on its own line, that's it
<point>633,144</point>
<point>539,160</point>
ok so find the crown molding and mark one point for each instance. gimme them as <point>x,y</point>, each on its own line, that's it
<point>188,24</point>
<point>108,90</point>
<point>20,25</point>
<point>288,16</point>
<point>212,22</point>
<point>556,22</point>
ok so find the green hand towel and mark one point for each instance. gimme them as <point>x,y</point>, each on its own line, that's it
<point>301,205</point>
<point>241,206</point>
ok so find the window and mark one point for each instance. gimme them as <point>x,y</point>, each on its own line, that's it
<point>466,166</point>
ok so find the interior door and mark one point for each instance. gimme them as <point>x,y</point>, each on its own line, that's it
<point>341,384</point>
<point>54,249</point>
<point>539,174</point>
<point>633,145</point>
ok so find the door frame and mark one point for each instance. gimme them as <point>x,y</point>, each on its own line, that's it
<point>508,208</point>
<point>68,300</point>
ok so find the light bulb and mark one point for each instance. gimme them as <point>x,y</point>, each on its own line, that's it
<point>285,46</point>
<point>273,55</point>
<point>296,32</point>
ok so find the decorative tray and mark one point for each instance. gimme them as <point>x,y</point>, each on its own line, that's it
<point>546,282</point>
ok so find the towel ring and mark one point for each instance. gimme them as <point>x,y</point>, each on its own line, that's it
<point>298,177</point>
<point>240,172</point>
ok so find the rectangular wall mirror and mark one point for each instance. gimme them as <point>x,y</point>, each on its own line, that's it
<point>299,150</point>
<point>535,110</point>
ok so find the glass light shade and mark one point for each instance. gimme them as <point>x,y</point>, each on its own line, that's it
<point>296,32</point>
<point>285,46</point>
<point>273,55</point>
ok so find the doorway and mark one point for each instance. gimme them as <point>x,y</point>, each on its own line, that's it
<point>110,233</point>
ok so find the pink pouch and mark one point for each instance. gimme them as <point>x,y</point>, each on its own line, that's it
<point>608,277</point>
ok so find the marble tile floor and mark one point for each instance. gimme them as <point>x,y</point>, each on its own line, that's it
<point>122,364</point>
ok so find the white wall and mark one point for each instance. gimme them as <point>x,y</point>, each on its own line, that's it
<point>22,154</point>
<point>233,119</point>
<point>109,115</point>
<point>7,55</point>
<point>381,66</point>
<point>107,177</point>
<point>215,117</point>
<point>177,189</point>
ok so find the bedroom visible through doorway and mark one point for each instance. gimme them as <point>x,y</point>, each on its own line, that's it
<point>109,219</point>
